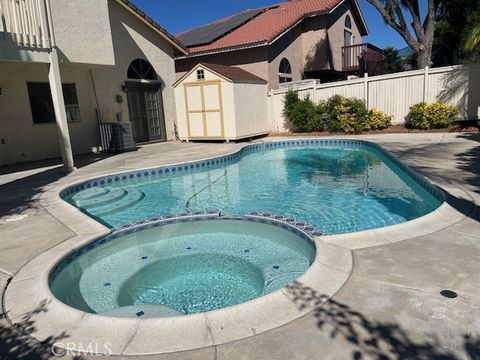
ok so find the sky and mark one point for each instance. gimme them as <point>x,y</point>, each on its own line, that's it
<point>180,15</point>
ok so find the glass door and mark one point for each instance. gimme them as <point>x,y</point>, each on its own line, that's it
<point>138,116</point>
<point>146,112</point>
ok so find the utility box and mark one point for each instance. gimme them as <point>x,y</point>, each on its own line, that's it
<point>116,137</point>
<point>217,102</point>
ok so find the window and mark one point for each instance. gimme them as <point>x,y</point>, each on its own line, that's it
<point>41,102</point>
<point>200,75</point>
<point>284,71</point>
<point>348,22</point>
<point>142,70</point>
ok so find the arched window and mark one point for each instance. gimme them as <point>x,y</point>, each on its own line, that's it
<point>141,70</point>
<point>348,22</point>
<point>284,71</point>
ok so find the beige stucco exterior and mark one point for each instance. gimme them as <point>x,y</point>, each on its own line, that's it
<point>92,66</point>
<point>312,45</point>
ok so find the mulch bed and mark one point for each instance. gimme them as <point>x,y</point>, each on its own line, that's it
<point>470,127</point>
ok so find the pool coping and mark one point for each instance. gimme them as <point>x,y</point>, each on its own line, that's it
<point>329,272</point>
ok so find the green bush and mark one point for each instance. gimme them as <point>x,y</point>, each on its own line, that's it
<point>377,120</point>
<point>431,116</point>
<point>301,113</point>
<point>337,114</point>
<point>346,115</point>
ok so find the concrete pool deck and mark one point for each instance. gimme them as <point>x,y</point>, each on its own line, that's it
<point>390,304</point>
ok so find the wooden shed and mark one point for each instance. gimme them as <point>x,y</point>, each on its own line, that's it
<point>217,102</point>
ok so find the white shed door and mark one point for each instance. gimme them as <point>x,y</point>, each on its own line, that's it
<point>204,109</point>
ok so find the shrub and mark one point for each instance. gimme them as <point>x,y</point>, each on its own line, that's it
<point>303,114</point>
<point>337,114</point>
<point>431,116</point>
<point>377,119</point>
<point>291,99</point>
<point>347,115</point>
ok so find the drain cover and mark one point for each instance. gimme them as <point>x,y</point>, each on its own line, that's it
<point>449,294</point>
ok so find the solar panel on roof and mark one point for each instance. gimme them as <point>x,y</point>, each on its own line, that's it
<point>208,33</point>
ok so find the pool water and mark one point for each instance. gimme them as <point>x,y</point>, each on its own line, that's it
<point>183,268</point>
<point>336,188</point>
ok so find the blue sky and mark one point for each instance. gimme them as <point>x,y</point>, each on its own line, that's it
<point>180,15</point>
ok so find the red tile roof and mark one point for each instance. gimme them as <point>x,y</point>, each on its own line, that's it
<point>267,26</point>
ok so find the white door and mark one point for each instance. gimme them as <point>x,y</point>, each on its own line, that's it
<point>204,110</point>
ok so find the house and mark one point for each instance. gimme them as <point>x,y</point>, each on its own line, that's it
<point>66,66</point>
<point>290,41</point>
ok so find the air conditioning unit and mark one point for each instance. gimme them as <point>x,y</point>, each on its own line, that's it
<point>117,137</point>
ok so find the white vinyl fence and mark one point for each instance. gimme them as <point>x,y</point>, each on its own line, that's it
<point>395,93</point>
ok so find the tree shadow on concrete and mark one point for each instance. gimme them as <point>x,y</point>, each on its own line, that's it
<point>16,341</point>
<point>372,339</point>
<point>463,171</point>
<point>25,182</point>
<point>469,160</point>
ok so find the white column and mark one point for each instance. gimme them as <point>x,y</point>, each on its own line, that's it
<point>60,112</point>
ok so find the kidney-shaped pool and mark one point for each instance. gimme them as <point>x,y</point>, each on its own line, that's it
<point>339,186</point>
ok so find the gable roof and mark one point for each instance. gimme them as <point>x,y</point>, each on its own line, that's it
<point>261,26</point>
<point>231,73</point>
<point>155,26</point>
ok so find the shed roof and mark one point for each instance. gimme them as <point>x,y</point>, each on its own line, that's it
<point>231,73</point>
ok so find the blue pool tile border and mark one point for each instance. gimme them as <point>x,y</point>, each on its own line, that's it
<point>168,170</point>
<point>301,229</point>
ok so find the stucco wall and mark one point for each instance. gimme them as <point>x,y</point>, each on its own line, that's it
<point>82,31</point>
<point>252,60</point>
<point>316,49</point>
<point>336,26</point>
<point>26,141</point>
<point>289,46</point>
<point>134,40</point>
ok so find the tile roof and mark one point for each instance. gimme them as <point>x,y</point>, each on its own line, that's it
<point>267,26</point>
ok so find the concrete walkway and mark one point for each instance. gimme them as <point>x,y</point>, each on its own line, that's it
<point>390,307</point>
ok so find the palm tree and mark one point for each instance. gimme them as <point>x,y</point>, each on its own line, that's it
<point>473,37</point>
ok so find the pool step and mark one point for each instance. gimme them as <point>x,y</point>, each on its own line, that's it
<point>89,194</point>
<point>109,197</point>
<point>133,197</point>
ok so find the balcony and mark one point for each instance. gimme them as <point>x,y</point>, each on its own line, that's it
<point>25,24</point>
<point>361,58</point>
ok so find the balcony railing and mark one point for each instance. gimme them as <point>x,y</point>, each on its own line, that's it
<point>25,23</point>
<point>352,56</point>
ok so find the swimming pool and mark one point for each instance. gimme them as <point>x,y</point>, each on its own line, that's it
<point>339,186</point>
<point>183,265</point>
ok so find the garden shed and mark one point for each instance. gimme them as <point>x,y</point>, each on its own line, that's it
<point>217,102</point>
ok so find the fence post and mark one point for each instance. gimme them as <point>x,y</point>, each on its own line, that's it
<point>365,90</point>
<point>426,83</point>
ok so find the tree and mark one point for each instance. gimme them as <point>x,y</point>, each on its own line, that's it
<point>391,60</point>
<point>454,20</point>
<point>420,40</point>
<point>472,41</point>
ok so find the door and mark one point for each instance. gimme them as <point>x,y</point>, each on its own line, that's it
<point>145,107</point>
<point>348,50</point>
<point>204,110</point>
